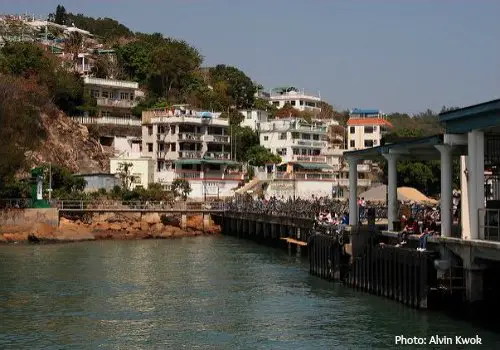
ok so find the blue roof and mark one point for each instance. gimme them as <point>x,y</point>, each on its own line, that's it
<point>365,111</point>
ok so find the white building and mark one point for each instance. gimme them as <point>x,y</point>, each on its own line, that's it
<point>115,101</point>
<point>295,140</point>
<point>190,145</point>
<point>297,99</point>
<point>366,128</point>
<point>142,170</point>
<point>254,118</point>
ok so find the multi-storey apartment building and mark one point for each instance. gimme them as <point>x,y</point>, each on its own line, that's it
<point>192,145</point>
<point>115,101</point>
<point>253,118</point>
<point>296,98</point>
<point>295,140</point>
<point>365,128</point>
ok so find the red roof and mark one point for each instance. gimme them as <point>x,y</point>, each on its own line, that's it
<point>368,121</point>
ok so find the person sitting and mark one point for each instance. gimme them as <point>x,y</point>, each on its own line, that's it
<point>411,228</point>
<point>429,230</point>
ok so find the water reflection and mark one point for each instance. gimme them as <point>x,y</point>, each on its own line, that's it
<point>208,293</point>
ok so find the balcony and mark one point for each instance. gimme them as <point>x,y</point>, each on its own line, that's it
<point>313,159</point>
<point>218,155</point>
<point>190,154</point>
<point>309,143</point>
<point>115,103</point>
<point>111,83</point>
<point>362,168</point>
<point>345,182</point>
<point>216,138</point>
<point>314,176</point>
<point>128,121</point>
<point>188,175</point>
<point>187,136</point>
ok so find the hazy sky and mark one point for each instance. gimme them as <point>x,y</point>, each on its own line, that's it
<point>399,55</point>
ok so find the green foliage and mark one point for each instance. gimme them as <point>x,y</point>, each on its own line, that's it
<point>60,17</point>
<point>62,179</point>
<point>21,131</point>
<point>29,61</point>
<point>240,87</point>
<point>243,138</point>
<point>259,155</point>
<point>181,187</point>
<point>234,116</point>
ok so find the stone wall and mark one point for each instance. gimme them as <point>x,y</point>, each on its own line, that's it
<point>27,218</point>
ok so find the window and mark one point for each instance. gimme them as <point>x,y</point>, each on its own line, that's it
<point>315,137</point>
<point>282,136</point>
<point>306,137</point>
<point>295,135</point>
<point>94,93</point>
<point>249,115</point>
<point>369,129</point>
<point>301,102</point>
<point>266,138</point>
<point>276,103</point>
<point>292,103</point>
<point>281,151</point>
<point>352,144</point>
<point>131,96</point>
<point>105,94</point>
<point>368,143</point>
<point>172,147</point>
<point>352,130</point>
<point>123,95</point>
<point>150,147</point>
<point>375,128</point>
<point>150,130</point>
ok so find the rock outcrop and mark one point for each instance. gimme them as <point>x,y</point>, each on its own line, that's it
<point>108,226</point>
<point>69,144</point>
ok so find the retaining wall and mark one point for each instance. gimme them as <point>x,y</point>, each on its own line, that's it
<point>26,218</point>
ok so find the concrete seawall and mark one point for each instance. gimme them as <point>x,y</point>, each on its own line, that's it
<point>27,218</point>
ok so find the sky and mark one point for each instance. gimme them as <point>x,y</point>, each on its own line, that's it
<point>395,55</point>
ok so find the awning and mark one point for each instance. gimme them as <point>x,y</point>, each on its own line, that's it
<point>206,161</point>
<point>314,166</point>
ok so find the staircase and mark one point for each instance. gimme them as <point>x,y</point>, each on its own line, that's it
<point>248,186</point>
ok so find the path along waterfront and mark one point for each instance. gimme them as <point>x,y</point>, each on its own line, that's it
<point>204,292</point>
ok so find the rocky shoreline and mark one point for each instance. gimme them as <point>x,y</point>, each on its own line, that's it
<point>109,227</point>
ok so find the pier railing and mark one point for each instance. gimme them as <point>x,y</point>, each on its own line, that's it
<point>139,205</point>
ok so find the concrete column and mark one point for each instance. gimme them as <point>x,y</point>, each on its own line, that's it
<point>392,190</point>
<point>183,221</point>
<point>353,191</point>
<point>464,199</point>
<point>206,222</point>
<point>475,173</point>
<point>474,284</point>
<point>446,190</point>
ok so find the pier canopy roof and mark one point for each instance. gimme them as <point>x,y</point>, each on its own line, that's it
<point>421,148</point>
<point>483,116</point>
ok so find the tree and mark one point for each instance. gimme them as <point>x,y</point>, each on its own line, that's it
<point>21,130</point>
<point>259,155</point>
<point>181,187</point>
<point>234,116</point>
<point>61,17</point>
<point>74,45</point>
<point>125,174</point>
<point>243,139</point>
<point>287,111</point>
<point>240,87</point>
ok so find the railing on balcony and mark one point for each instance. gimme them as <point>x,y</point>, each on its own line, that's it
<point>309,143</point>
<point>190,154</point>
<point>489,221</point>
<point>112,102</point>
<point>218,155</point>
<point>188,136</point>
<point>314,159</point>
<point>188,175</point>
<point>218,138</point>
<point>360,167</point>
<point>129,121</point>
<point>314,176</point>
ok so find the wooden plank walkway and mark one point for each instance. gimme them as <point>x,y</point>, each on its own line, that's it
<point>294,241</point>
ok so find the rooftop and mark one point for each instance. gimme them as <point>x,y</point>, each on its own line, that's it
<point>368,121</point>
<point>111,83</point>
